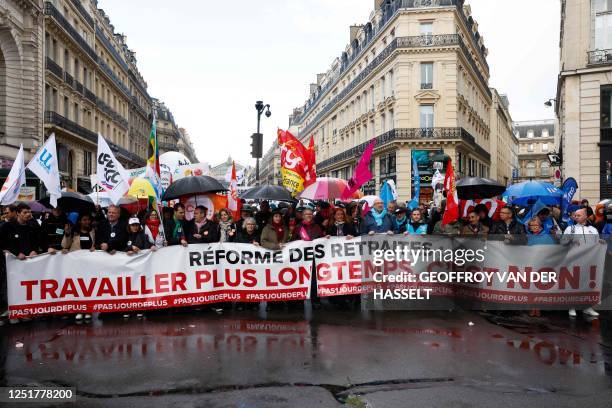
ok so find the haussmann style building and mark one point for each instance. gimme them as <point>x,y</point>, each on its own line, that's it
<point>584,96</point>
<point>415,79</point>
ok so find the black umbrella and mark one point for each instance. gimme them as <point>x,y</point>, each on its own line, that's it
<point>71,202</point>
<point>469,188</point>
<point>193,185</point>
<point>276,193</point>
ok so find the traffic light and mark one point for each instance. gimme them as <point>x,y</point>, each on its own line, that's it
<point>256,145</point>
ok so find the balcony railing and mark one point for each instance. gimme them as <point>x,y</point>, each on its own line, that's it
<point>114,78</point>
<point>407,134</point>
<point>90,95</point>
<point>54,118</point>
<point>84,13</point>
<point>133,157</point>
<point>111,48</point>
<point>111,112</point>
<point>79,87</point>
<point>599,57</point>
<point>388,11</point>
<point>54,68</point>
<point>50,10</point>
<point>68,79</point>
<point>427,86</point>
<point>399,42</point>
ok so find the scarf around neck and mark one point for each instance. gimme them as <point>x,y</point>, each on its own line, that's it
<point>378,216</point>
<point>280,231</point>
<point>153,227</point>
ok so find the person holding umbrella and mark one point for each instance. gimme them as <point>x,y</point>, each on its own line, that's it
<point>263,215</point>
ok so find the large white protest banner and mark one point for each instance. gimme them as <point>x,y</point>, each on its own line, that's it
<point>505,274</point>
<point>473,269</point>
<point>168,277</point>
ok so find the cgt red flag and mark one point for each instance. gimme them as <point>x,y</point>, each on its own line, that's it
<point>311,164</point>
<point>451,213</point>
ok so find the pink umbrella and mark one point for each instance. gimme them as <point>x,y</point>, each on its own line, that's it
<point>325,188</point>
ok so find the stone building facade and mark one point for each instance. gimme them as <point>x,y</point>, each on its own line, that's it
<point>168,133</point>
<point>503,142</point>
<point>415,79</point>
<point>536,141</point>
<point>21,77</point>
<point>185,146</point>
<point>584,96</point>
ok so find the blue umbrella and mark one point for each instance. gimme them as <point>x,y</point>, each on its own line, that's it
<point>528,192</point>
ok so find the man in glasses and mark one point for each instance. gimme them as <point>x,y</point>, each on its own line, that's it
<point>507,227</point>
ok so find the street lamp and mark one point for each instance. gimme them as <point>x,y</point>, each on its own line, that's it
<point>260,107</point>
<point>549,102</point>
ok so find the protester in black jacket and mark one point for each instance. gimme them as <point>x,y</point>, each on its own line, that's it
<point>174,227</point>
<point>339,226</point>
<point>21,237</point>
<point>112,233</point>
<point>249,233</point>
<point>137,239</point>
<point>53,227</point>
<point>201,230</point>
<point>508,224</point>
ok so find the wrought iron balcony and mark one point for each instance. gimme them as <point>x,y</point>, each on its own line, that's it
<point>110,112</point>
<point>596,57</point>
<point>68,79</point>
<point>84,13</point>
<point>111,48</point>
<point>126,154</point>
<point>406,134</point>
<point>54,118</point>
<point>79,87</point>
<point>427,86</point>
<point>399,42</point>
<point>54,68</point>
<point>90,95</point>
<point>114,78</point>
<point>53,12</point>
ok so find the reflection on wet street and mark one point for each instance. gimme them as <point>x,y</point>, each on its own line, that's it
<point>334,359</point>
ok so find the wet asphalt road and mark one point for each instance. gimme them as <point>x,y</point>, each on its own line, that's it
<point>334,359</point>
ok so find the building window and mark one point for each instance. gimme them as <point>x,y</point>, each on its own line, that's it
<point>426,75</point>
<point>76,113</point>
<point>87,163</point>
<point>62,157</point>
<point>383,119</point>
<point>530,147</point>
<point>544,169</point>
<point>603,24</point>
<point>426,116</point>
<point>427,28</point>
<point>530,169</point>
<point>606,107</point>
<point>387,167</point>
<point>391,120</point>
<point>544,147</point>
<point>382,88</point>
<point>530,133</point>
<point>545,132</point>
<point>66,108</point>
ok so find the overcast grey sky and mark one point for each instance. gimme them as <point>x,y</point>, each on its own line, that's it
<point>209,61</point>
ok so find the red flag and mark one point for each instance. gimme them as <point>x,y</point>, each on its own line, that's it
<point>362,172</point>
<point>311,164</point>
<point>451,213</point>
<point>294,162</point>
<point>233,202</point>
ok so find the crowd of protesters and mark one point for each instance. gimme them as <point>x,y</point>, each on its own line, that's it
<point>272,226</point>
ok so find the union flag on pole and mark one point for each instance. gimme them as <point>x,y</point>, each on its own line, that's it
<point>295,159</point>
<point>233,202</point>
<point>451,213</point>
